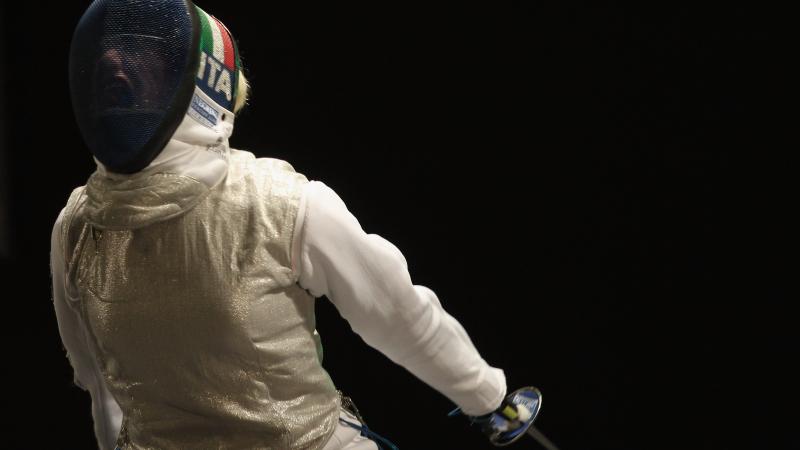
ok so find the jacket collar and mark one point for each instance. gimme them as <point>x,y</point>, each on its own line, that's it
<point>194,161</point>
<point>198,149</point>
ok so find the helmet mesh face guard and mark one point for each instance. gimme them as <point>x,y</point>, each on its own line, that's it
<point>132,73</point>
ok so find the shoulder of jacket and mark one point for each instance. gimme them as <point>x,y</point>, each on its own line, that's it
<point>67,233</point>
<point>74,201</point>
<point>248,158</point>
<point>275,164</point>
<point>76,193</point>
<point>271,167</point>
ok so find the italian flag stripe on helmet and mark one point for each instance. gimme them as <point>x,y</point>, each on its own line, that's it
<point>227,44</point>
<point>216,41</point>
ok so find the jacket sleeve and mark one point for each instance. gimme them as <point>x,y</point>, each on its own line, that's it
<point>106,413</point>
<point>367,279</point>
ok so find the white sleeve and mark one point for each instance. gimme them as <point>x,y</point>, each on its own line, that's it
<point>367,279</point>
<point>106,413</point>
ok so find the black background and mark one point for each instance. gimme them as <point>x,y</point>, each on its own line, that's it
<point>562,175</point>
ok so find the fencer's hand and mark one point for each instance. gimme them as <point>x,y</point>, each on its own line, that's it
<point>512,419</point>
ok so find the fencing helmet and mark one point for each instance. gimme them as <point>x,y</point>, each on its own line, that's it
<point>138,67</point>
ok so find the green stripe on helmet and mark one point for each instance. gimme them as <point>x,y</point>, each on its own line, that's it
<point>206,36</point>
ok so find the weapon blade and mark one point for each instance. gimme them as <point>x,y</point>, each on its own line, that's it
<point>541,438</point>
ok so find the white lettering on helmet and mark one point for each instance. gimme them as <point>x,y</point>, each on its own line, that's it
<point>212,71</point>
<point>224,84</point>
<point>217,76</point>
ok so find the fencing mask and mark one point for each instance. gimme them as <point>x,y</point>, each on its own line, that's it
<point>134,66</point>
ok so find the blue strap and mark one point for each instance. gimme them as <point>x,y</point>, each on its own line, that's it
<point>367,433</point>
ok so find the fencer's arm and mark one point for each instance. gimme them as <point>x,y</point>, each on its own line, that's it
<point>106,412</point>
<point>367,279</point>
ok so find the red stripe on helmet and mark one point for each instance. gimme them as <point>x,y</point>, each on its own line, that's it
<point>228,44</point>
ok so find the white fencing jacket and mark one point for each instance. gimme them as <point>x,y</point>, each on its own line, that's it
<point>364,275</point>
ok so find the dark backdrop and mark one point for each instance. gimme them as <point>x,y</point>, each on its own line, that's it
<point>4,221</point>
<point>561,175</point>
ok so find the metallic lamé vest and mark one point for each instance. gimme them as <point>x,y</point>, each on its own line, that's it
<point>202,334</point>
